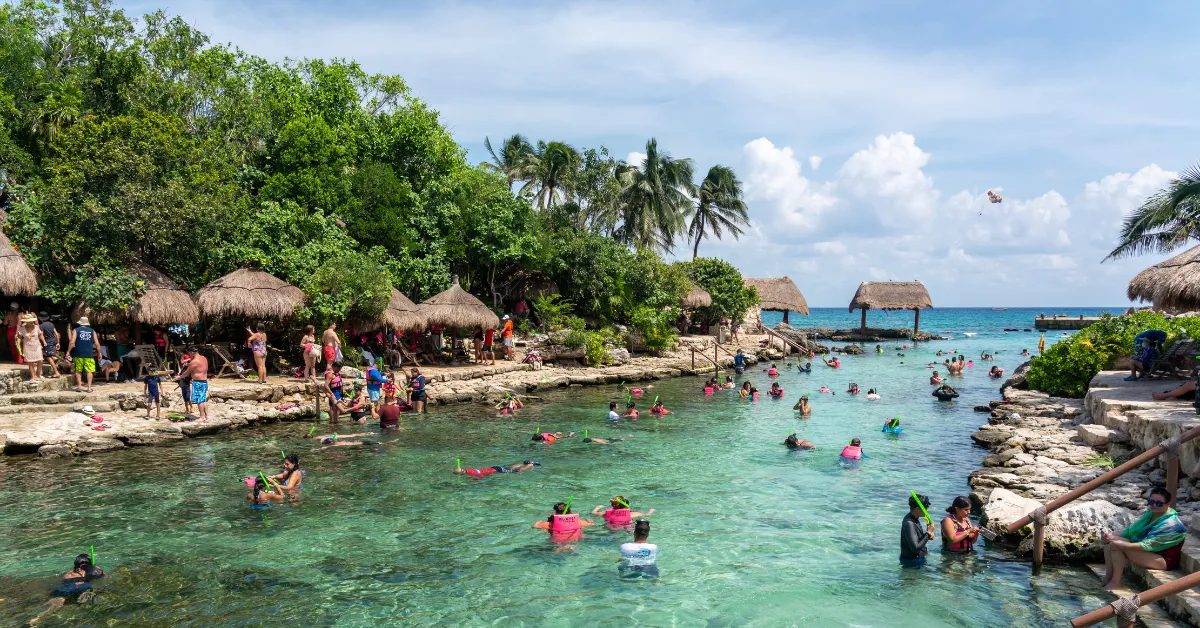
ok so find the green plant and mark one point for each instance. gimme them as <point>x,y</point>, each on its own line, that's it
<point>574,323</point>
<point>656,327</point>
<point>596,350</point>
<point>524,327</point>
<point>552,310</point>
<point>731,297</point>
<point>1099,461</point>
<point>575,338</point>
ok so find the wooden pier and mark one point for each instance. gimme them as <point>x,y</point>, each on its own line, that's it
<point>1045,323</point>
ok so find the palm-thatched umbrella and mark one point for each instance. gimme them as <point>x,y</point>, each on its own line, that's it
<point>697,297</point>
<point>779,295</point>
<point>16,275</point>
<point>249,293</point>
<point>402,314</point>
<point>457,308</point>
<point>1172,285</point>
<point>891,295</point>
<point>163,303</point>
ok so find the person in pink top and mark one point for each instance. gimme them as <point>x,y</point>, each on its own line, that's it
<point>620,514</point>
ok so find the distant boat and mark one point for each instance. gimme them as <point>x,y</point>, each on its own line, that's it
<point>969,334</point>
<point>999,309</point>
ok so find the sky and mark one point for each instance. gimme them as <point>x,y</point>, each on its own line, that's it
<point>867,135</point>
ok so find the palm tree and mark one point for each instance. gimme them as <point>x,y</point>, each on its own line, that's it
<point>719,207</point>
<point>513,160</point>
<point>1166,221</point>
<point>549,172</point>
<point>656,199</point>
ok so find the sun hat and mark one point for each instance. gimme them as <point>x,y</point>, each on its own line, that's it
<point>83,321</point>
<point>29,318</point>
<point>88,410</point>
<point>44,315</point>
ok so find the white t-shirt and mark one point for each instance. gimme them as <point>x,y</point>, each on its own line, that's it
<point>613,416</point>
<point>639,554</point>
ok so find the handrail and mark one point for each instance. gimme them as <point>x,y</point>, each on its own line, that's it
<point>772,332</point>
<point>1132,603</point>
<point>718,366</point>
<point>1038,516</point>
<point>718,345</point>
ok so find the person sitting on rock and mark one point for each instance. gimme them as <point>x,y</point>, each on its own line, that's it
<point>1186,391</point>
<point>1155,541</point>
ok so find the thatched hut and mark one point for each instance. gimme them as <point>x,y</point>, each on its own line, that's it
<point>163,303</point>
<point>1172,285</point>
<point>249,293</point>
<point>697,297</point>
<point>402,314</point>
<point>457,308</point>
<point>891,295</point>
<point>779,295</point>
<point>16,275</point>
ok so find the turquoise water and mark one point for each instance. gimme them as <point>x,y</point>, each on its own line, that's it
<point>748,532</point>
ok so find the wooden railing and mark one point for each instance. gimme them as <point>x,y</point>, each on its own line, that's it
<point>784,339</point>
<point>712,359</point>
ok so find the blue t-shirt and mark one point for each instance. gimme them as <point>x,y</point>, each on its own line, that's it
<point>85,343</point>
<point>418,382</point>
<point>739,360</point>
<point>152,383</point>
<point>375,380</point>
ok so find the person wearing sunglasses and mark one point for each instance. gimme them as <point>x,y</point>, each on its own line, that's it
<point>1155,541</point>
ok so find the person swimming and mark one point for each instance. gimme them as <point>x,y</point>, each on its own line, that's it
<point>518,467</point>
<point>794,442</point>
<point>892,426</point>
<point>660,409</point>
<point>631,410</point>
<point>776,391</point>
<point>1025,352</point>
<point>606,441</point>
<point>807,368</point>
<point>833,363</point>
<point>563,526</point>
<point>853,451</point>
<point>802,406</point>
<point>872,395</point>
<point>76,586</point>
<point>744,393</point>
<point>262,495</point>
<point>824,389</point>
<point>620,513</point>
<point>773,371</point>
<point>549,438</point>
<point>996,372</point>
<point>853,389</point>
<point>878,348</point>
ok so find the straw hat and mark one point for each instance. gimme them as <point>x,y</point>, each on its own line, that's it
<point>88,410</point>
<point>29,318</point>
<point>83,321</point>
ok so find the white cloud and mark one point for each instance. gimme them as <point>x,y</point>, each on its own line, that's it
<point>635,159</point>
<point>814,162</point>
<point>1126,192</point>
<point>888,176</point>
<point>774,175</point>
<point>829,248</point>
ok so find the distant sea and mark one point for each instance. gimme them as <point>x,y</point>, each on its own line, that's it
<point>933,320</point>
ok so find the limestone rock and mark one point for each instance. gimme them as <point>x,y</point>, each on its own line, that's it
<point>1099,436</point>
<point>988,438</point>
<point>1004,507</point>
<point>1017,380</point>
<point>55,451</point>
<point>150,438</point>
<point>1071,530</point>
<point>619,356</point>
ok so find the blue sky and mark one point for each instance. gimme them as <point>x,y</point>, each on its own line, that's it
<point>867,134</point>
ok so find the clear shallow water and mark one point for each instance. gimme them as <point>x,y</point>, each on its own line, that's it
<point>748,532</point>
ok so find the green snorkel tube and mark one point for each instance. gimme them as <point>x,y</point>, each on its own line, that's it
<point>567,510</point>
<point>922,505</point>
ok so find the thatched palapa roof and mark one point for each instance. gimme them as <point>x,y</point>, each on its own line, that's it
<point>249,293</point>
<point>779,294</point>
<point>697,297</point>
<point>456,307</point>
<point>891,295</point>
<point>16,275</point>
<point>1172,285</point>
<point>402,314</point>
<point>162,303</point>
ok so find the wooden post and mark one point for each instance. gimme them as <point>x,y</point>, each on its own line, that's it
<point>716,362</point>
<point>785,314</point>
<point>1173,479</point>
<point>863,326</point>
<point>1039,545</point>
<point>693,358</point>
<point>916,323</point>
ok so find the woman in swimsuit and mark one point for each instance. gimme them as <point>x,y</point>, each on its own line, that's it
<point>311,351</point>
<point>958,535</point>
<point>261,495</point>
<point>359,407</point>
<point>76,586</point>
<point>292,477</point>
<point>333,390</point>
<point>258,346</point>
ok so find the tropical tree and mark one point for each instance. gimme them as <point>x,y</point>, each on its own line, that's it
<point>719,207</point>
<point>550,172</point>
<point>513,159</point>
<point>1169,219</point>
<point>656,199</point>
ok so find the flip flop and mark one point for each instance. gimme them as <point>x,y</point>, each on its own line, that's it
<point>96,418</point>
<point>100,428</point>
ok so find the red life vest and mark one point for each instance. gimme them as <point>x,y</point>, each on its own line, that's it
<point>548,437</point>
<point>617,516</point>
<point>564,524</point>
<point>851,452</point>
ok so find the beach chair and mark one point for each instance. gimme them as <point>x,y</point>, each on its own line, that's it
<point>1173,359</point>
<point>147,357</point>
<point>227,363</point>
<point>408,355</point>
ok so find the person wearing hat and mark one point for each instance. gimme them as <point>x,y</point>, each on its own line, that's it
<point>507,335</point>
<point>12,322</point>
<point>50,336</point>
<point>83,349</point>
<point>30,339</point>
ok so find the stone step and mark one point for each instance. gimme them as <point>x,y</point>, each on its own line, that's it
<point>60,408</point>
<point>1152,616</point>
<point>42,398</point>
<point>1190,561</point>
<point>1185,604</point>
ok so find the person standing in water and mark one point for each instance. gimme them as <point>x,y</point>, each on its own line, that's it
<point>612,412</point>
<point>75,587</point>
<point>803,407</point>
<point>563,526</point>
<point>417,383</point>
<point>739,361</point>
<point>794,442</point>
<point>292,477</point>
<point>958,535</point>
<point>945,393</point>
<point>637,558</point>
<point>913,539</point>
<point>620,513</point>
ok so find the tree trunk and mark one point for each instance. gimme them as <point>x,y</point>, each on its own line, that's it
<point>863,326</point>
<point>699,234</point>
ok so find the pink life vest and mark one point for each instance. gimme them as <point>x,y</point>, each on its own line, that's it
<point>708,390</point>
<point>850,452</point>
<point>548,438</point>
<point>777,392</point>
<point>564,524</point>
<point>754,397</point>
<point>772,372</point>
<point>617,516</point>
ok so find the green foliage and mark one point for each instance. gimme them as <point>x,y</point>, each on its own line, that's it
<point>656,327</point>
<point>552,310</point>
<point>575,338</point>
<point>349,286</point>
<point>1099,461</point>
<point>654,283</point>
<point>731,297</point>
<point>1066,368</point>
<point>597,346</point>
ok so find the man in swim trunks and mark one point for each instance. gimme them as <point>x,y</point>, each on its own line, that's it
<point>197,372</point>
<point>606,441</point>
<point>330,344</point>
<point>512,468</point>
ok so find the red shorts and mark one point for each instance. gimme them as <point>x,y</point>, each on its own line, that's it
<point>1172,556</point>
<point>487,471</point>
<point>330,353</point>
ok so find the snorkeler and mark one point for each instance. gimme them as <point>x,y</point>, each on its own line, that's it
<point>563,526</point>
<point>548,438</point>
<point>75,586</point>
<point>620,513</point>
<point>773,371</point>
<point>631,410</point>
<point>260,494</point>
<point>356,443</point>
<point>872,395</point>
<point>729,382</point>
<point>776,391</point>
<point>606,441</point>
<point>853,451</point>
<point>807,368</point>
<point>832,363</point>
<point>292,476</point>
<point>660,409</point>
<point>794,442</point>
<point>853,389</point>
<point>945,393</point>
<point>513,468</point>
<point>802,406</point>
<point>892,426</point>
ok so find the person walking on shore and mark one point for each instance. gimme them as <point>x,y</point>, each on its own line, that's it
<point>506,334</point>
<point>197,372</point>
<point>83,349</point>
<point>50,336</point>
<point>257,341</point>
<point>30,337</point>
<point>331,345</point>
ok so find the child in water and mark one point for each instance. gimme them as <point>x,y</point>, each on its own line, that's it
<point>75,587</point>
<point>631,410</point>
<point>620,513</point>
<point>261,495</point>
<point>776,392</point>
<point>794,442</point>
<point>660,409</point>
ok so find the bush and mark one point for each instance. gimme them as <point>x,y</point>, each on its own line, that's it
<point>657,327</point>
<point>575,338</point>
<point>1066,368</point>
<point>552,311</point>
<point>731,297</point>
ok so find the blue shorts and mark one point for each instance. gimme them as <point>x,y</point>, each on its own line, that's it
<point>912,563</point>
<point>374,394</point>
<point>199,391</point>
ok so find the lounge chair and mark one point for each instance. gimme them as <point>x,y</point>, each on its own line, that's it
<point>147,357</point>
<point>1173,360</point>
<point>227,363</point>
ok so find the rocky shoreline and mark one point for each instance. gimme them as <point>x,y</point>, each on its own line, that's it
<point>1041,448</point>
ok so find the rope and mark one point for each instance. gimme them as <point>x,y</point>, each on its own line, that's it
<point>1126,607</point>
<point>1171,445</point>
<point>1039,516</point>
